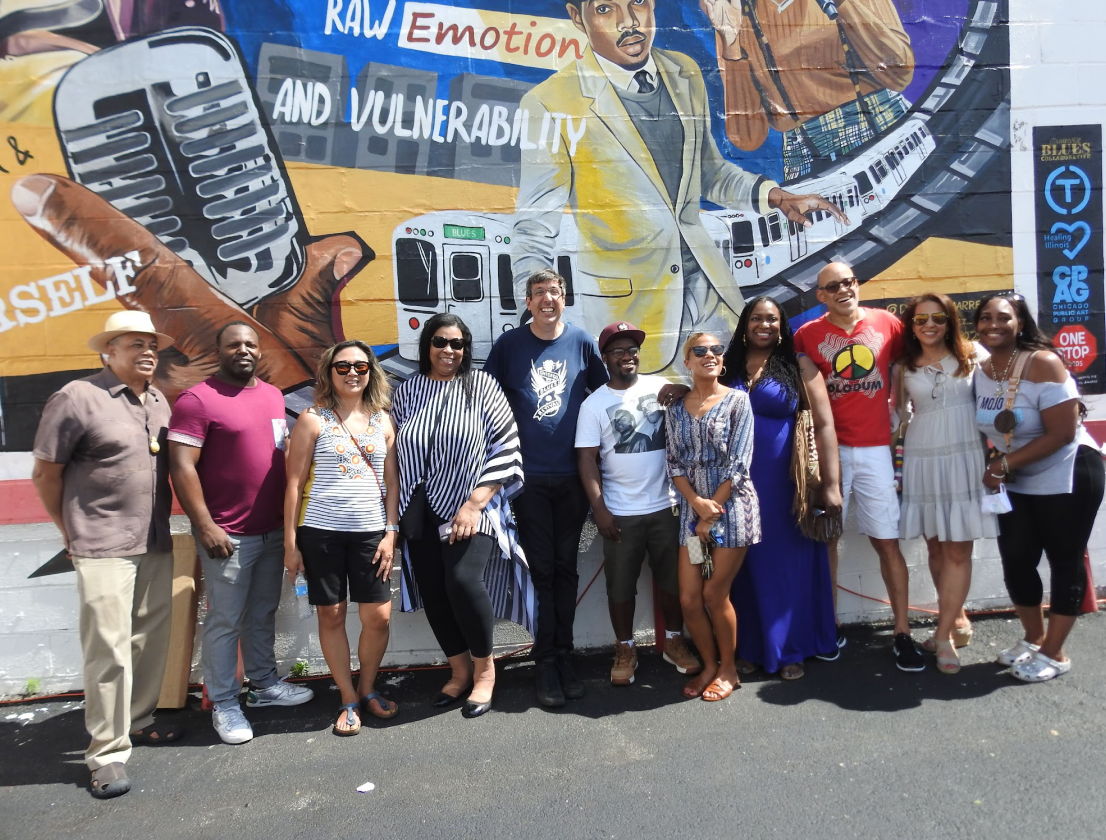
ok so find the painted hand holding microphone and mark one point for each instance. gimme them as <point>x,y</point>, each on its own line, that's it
<point>182,180</point>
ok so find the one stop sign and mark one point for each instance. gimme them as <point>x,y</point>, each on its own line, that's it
<point>1077,345</point>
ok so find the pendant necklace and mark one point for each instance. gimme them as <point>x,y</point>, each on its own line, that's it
<point>999,388</point>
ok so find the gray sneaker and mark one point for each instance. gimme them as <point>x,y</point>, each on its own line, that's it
<point>280,693</point>
<point>232,725</point>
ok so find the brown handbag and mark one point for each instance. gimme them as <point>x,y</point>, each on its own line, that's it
<point>806,472</point>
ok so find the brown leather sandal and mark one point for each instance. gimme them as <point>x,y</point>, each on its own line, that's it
<point>110,781</point>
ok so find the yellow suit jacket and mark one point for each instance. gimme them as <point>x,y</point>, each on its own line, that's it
<point>628,247</point>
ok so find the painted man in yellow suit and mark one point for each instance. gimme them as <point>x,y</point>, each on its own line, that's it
<point>634,180</point>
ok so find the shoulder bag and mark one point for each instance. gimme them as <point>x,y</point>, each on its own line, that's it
<point>813,522</point>
<point>414,516</point>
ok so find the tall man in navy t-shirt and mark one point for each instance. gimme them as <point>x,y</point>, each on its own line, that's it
<point>546,368</point>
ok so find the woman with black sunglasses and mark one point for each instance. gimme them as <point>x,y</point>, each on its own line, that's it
<point>709,442</point>
<point>459,463</point>
<point>783,593</point>
<point>1028,406</point>
<point>943,464</point>
<point>340,515</point>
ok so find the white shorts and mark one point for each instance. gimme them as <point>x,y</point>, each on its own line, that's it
<point>868,472</point>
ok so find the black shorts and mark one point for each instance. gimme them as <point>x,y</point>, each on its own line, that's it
<point>333,558</point>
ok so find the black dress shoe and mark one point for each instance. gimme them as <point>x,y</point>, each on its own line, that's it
<point>444,701</point>
<point>471,710</point>
<point>547,684</point>
<point>570,683</point>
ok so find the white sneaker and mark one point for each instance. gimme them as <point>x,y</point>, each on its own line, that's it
<point>232,725</point>
<point>281,693</point>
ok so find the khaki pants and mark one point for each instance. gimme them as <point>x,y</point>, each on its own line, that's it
<point>125,616</point>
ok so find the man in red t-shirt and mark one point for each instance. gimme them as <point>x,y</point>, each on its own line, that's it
<point>226,458</point>
<point>854,348</point>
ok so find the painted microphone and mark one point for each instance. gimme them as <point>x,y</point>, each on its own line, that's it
<point>183,149</point>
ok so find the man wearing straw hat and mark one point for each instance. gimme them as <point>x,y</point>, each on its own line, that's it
<point>102,472</point>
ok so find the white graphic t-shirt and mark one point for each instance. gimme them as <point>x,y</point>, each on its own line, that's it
<point>628,428</point>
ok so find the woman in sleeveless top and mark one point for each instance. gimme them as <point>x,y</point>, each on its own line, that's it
<point>783,593</point>
<point>1053,473</point>
<point>942,470</point>
<point>709,449</point>
<point>340,515</point>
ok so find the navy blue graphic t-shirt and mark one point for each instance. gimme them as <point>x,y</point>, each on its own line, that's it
<point>545,382</point>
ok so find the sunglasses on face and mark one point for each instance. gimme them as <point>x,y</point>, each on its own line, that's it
<point>441,341</point>
<point>715,349</point>
<point>939,318</point>
<point>343,368</point>
<point>837,285</point>
<point>620,353</point>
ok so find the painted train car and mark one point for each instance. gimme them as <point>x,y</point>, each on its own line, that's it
<point>461,262</point>
<point>759,247</point>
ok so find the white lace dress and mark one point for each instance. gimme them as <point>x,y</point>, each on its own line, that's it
<point>943,462</point>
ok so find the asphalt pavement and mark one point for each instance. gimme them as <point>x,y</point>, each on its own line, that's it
<point>855,749</point>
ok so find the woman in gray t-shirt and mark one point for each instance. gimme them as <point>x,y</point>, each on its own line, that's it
<point>1028,406</point>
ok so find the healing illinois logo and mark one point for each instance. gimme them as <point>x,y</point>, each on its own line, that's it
<point>853,362</point>
<point>548,382</point>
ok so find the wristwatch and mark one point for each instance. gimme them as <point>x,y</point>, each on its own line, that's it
<point>391,527</point>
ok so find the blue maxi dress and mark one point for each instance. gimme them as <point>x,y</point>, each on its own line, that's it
<point>783,593</point>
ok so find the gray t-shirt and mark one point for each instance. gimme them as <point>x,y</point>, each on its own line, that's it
<point>1049,475</point>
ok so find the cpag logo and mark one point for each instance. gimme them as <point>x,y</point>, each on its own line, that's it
<point>1077,345</point>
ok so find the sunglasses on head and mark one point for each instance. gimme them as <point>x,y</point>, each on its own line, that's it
<point>939,318</point>
<point>837,285</point>
<point>701,350</point>
<point>342,368</point>
<point>441,341</point>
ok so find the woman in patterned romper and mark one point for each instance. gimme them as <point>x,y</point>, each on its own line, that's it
<point>710,448</point>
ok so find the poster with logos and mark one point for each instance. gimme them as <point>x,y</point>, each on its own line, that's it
<point>328,169</point>
<point>1067,174</point>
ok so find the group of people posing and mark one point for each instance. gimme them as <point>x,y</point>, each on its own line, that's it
<point>478,482</point>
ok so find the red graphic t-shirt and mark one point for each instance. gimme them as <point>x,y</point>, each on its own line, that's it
<point>856,367</point>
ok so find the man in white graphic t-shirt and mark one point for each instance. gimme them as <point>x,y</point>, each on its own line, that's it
<point>622,467</point>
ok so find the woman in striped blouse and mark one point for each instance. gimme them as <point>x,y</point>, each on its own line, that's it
<point>342,469</point>
<point>457,434</point>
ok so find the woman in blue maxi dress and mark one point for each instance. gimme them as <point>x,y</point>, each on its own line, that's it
<point>783,593</point>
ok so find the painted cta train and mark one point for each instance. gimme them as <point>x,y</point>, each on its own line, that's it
<point>455,261</point>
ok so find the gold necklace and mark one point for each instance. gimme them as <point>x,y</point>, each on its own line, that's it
<point>999,388</point>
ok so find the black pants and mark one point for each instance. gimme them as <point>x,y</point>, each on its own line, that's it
<point>451,582</point>
<point>1058,525</point>
<point>550,513</point>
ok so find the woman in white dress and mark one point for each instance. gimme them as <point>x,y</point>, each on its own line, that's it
<point>943,462</point>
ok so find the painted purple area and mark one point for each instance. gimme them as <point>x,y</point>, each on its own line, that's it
<point>933,27</point>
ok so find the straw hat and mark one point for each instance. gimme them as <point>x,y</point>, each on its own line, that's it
<point>127,321</point>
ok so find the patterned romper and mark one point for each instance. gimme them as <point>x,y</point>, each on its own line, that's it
<point>709,450</point>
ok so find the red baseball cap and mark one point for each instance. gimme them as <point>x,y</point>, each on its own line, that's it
<point>620,328</point>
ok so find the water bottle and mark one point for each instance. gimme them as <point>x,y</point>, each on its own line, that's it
<point>300,589</point>
<point>718,532</point>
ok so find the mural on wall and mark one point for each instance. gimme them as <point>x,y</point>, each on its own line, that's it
<point>346,168</point>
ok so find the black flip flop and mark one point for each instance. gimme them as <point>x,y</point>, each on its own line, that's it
<point>110,781</point>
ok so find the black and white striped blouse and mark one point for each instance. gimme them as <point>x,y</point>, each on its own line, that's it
<point>475,443</point>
